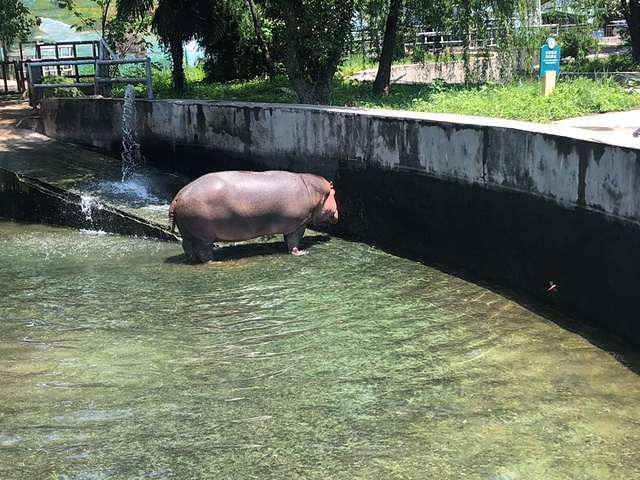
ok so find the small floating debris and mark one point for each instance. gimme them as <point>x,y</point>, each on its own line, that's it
<point>94,415</point>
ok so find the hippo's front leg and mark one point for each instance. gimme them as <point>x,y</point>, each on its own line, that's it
<point>293,239</point>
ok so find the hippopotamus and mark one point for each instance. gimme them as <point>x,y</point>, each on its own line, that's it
<point>232,206</point>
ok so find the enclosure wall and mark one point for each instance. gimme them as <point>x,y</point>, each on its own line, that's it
<point>517,203</point>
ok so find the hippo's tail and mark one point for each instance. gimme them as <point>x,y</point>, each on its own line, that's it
<point>172,224</point>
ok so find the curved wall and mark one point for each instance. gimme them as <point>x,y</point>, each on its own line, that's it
<point>520,204</point>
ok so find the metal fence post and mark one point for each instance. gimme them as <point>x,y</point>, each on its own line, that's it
<point>149,84</point>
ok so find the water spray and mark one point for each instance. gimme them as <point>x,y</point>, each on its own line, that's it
<point>130,144</point>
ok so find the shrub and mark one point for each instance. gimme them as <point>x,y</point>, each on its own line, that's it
<point>61,91</point>
<point>577,43</point>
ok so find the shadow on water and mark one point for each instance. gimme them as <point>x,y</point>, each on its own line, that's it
<point>256,248</point>
<point>622,351</point>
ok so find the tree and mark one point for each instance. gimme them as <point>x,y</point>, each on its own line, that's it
<point>631,12</point>
<point>383,76</point>
<point>89,22</point>
<point>16,22</point>
<point>177,22</point>
<point>313,38</point>
<point>122,35</point>
<point>237,54</point>
<point>271,69</point>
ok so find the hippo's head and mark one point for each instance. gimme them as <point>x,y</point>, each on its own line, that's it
<point>323,199</point>
<point>329,210</point>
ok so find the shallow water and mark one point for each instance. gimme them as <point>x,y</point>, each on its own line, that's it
<point>120,361</point>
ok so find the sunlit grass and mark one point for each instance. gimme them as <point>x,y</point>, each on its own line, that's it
<point>519,100</point>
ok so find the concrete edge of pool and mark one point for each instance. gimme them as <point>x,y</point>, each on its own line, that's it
<point>28,199</point>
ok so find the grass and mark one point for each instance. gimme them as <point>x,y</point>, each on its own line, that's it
<point>519,100</point>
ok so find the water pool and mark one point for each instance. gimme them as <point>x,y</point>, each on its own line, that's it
<point>120,361</point>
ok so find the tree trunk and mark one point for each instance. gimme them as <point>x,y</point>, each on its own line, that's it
<point>631,10</point>
<point>177,68</point>
<point>313,93</point>
<point>383,77</point>
<point>306,89</point>
<point>271,68</point>
<point>310,28</point>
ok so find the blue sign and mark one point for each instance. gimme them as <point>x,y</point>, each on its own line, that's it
<point>550,57</point>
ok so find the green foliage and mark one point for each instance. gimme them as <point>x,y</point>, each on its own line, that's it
<point>311,36</point>
<point>123,35</point>
<point>70,91</point>
<point>578,42</point>
<point>236,56</point>
<point>504,28</point>
<point>16,22</point>
<point>180,21</point>
<point>354,63</point>
<point>603,64</point>
<point>258,89</point>
<point>519,100</point>
<point>127,35</point>
<point>88,22</point>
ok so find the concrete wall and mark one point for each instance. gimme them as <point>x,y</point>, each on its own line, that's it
<point>520,204</point>
<point>28,199</point>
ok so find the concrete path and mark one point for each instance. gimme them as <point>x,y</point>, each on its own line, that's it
<point>13,109</point>
<point>619,128</point>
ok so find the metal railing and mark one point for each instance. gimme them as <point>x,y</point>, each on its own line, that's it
<point>101,79</point>
<point>11,77</point>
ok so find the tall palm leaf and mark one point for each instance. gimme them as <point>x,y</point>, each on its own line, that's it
<point>134,8</point>
<point>176,22</point>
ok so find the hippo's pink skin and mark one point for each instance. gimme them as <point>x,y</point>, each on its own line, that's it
<point>236,205</point>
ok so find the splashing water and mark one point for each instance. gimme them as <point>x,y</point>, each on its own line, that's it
<point>88,204</point>
<point>130,145</point>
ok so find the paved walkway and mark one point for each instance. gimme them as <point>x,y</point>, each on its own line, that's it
<point>620,128</point>
<point>13,109</point>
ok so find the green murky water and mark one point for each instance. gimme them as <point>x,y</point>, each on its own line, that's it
<point>120,361</point>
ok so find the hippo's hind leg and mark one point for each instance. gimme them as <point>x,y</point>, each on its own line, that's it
<point>198,250</point>
<point>204,250</point>
<point>293,240</point>
<point>189,250</point>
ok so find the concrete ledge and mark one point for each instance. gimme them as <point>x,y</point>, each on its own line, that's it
<point>28,199</point>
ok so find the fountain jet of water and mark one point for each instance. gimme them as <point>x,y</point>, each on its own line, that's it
<point>88,204</point>
<point>130,145</point>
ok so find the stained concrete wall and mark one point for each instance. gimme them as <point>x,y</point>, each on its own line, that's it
<point>520,204</point>
<point>28,199</point>
<point>529,158</point>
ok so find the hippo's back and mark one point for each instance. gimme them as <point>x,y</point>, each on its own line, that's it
<point>238,205</point>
